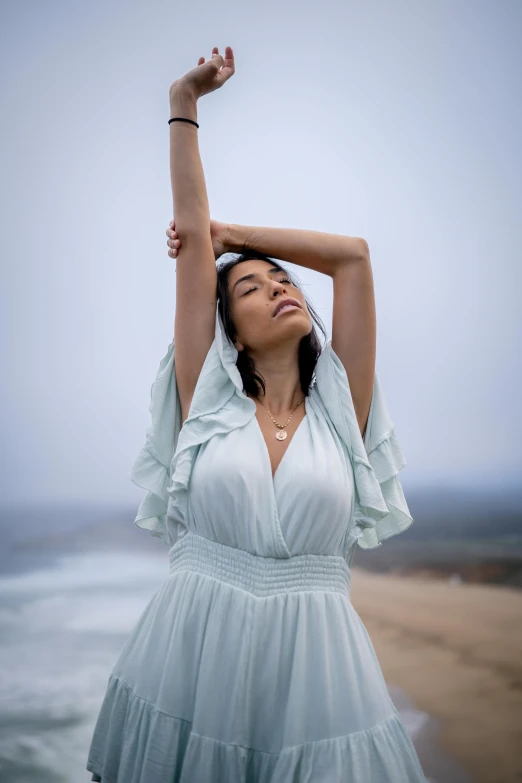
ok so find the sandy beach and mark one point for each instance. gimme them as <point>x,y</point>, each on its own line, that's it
<point>456,650</point>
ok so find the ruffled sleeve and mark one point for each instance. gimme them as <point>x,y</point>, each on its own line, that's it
<point>151,469</point>
<point>380,509</point>
<point>164,464</point>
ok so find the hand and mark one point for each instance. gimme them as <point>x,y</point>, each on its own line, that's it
<point>207,76</point>
<point>218,235</point>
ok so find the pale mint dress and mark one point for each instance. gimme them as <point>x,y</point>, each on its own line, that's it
<point>250,663</point>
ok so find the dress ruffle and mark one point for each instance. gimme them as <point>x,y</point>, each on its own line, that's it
<point>380,509</point>
<point>167,743</point>
<point>151,467</point>
<point>164,464</point>
<point>219,405</point>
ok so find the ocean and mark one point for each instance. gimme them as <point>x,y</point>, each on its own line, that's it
<point>64,618</point>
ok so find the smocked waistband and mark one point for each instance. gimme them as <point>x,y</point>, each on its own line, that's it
<point>261,576</point>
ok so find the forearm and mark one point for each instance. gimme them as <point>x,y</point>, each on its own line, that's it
<point>316,250</point>
<point>189,191</point>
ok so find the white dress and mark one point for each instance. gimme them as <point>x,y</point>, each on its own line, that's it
<point>250,663</point>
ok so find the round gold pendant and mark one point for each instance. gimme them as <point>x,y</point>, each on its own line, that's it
<point>281,435</point>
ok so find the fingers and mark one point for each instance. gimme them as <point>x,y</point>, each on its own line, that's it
<point>172,241</point>
<point>228,57</point>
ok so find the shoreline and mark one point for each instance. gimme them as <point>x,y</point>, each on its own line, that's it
<point>455,650</point>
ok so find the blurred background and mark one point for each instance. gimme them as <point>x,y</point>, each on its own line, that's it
<point>400,123</point>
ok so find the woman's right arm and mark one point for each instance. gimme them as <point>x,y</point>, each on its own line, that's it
<point>196,276</point>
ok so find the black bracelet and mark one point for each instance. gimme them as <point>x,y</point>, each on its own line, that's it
<point>184,120</point>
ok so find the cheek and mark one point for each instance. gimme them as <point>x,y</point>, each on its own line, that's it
<point>250,316</point>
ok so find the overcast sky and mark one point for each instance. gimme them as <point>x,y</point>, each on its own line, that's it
<point>399,122</point>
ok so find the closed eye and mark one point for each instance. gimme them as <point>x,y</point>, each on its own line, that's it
<point>284,280</point>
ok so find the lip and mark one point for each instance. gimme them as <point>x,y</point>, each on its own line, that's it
<point>288,300</point>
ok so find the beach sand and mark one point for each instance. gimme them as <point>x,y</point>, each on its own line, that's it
<point>456,651</point>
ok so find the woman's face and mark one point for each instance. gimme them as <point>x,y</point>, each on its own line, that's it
<point>253,302</point>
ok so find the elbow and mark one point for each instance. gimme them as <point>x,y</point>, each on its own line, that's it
<point>363,248</point>
<point>355,249</point>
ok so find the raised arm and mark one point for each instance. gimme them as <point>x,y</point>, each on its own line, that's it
<point>347,261</point>
<point>196,276</point>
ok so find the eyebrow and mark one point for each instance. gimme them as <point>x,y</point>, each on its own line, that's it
<point>253,275</point>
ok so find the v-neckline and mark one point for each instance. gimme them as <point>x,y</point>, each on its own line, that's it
<point>267,453</point>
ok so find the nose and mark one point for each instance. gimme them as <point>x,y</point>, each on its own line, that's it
<point>279,286</point>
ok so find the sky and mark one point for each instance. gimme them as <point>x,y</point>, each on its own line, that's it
<point>397,122</point>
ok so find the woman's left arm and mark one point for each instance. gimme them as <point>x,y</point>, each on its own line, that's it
<point>347,261</point>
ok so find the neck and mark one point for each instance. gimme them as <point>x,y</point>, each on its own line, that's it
<point>282,383</point>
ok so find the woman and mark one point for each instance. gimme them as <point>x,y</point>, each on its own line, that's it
<point>268,460</point>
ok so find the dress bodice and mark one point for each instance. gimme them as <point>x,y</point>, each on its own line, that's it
<point>332,489</point>
<point>305,508</point>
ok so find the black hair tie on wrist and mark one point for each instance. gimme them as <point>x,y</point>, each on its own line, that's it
<point>184,120</point>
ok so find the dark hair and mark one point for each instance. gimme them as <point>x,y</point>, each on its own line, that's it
<point>309,346</point>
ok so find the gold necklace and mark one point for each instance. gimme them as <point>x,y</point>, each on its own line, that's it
<point>282,435</point>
